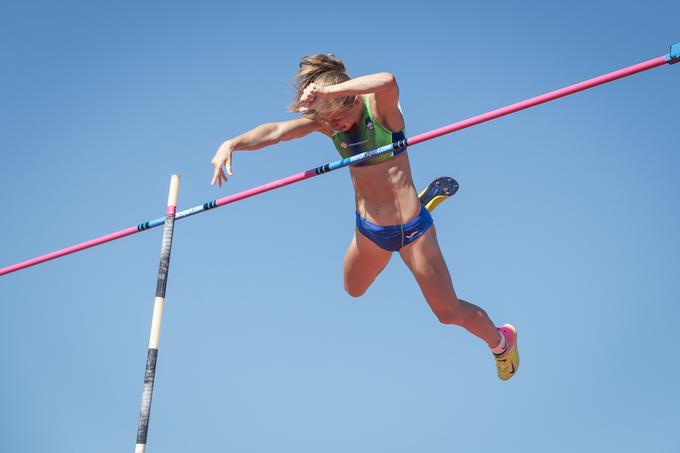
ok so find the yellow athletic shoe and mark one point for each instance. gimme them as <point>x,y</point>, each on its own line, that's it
<point>437,191</point>
<point>508,362</point>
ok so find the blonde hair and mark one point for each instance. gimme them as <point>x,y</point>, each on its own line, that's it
<point>323,70</point>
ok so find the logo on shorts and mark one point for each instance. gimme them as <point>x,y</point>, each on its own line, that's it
<point>343,145</point>
<point>409,236</point>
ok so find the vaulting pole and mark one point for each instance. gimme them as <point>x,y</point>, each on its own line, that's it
<point>159,301</point>
<point>670,58</point>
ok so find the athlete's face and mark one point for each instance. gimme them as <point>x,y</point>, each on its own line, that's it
<point>344,118</point>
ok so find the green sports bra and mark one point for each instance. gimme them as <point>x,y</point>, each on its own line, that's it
<point>368,136</point>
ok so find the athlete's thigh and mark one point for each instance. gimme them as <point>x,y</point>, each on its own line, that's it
<point>425,261</point>
<point>363,262</point>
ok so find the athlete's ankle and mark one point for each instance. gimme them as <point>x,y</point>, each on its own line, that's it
<point>502,345</point>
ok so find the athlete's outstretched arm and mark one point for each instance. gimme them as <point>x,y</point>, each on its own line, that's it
<point>266,134</point>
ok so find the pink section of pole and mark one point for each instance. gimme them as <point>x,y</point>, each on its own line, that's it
<point>69,250</point>
<point>653,63</point>
<point>265,187</point>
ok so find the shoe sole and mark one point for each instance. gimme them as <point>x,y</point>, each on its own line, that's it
<point>437,192</point>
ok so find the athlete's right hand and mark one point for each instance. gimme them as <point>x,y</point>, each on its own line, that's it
<point>312,97</point>
<point>222,158</point>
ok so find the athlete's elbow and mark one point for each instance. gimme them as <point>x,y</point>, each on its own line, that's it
<point>273,134</point>
<point>390,80</point>
<point>281,133</point>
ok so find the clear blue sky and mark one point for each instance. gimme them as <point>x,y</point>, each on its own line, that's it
<point>566,224</point>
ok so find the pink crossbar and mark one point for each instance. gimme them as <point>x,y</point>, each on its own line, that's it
<point>69,250</point>
<point>411,141</point>
<point>653,63</point>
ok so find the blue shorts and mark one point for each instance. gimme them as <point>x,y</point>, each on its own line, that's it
<point>394,237</point>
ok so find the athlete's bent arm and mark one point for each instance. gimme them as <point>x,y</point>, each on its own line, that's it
<point>384,102</point>
<point>266,134</point>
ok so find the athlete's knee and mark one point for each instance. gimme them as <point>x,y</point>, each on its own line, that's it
<point>459,313</point>
<point>353,289</point>
<point>449,315</point>
<point>355,292</point>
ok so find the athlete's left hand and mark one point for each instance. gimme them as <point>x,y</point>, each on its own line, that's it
<point>222,158</point>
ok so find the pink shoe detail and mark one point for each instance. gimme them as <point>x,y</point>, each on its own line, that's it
<point>510,335</point>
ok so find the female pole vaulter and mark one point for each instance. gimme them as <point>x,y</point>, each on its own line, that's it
<point>358,115</point>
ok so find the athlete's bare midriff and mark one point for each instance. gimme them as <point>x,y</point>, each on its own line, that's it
<point>384,192</point>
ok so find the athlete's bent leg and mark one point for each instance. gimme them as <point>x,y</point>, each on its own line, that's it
<point>424,258</point>
<point>364,260</point>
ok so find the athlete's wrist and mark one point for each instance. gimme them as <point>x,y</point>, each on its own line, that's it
<point>229,146</point>
<point>325,92</point>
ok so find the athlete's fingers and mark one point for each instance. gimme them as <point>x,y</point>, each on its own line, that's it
<point>308,94</point>
<point>228,165</point>
<point>216,174</point>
